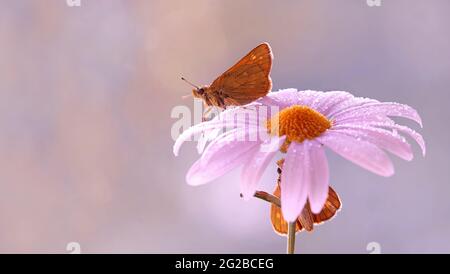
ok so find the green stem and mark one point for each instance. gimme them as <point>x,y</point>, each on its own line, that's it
<point>291,238</point>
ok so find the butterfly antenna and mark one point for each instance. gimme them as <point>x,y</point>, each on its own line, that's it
<point>184,79</point>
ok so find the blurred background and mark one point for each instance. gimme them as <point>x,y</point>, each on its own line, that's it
<point>86,95</point>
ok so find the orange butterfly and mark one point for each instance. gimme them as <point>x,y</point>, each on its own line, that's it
<point>246,81</point>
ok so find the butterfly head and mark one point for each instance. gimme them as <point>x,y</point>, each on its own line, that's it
<point>199,92</point>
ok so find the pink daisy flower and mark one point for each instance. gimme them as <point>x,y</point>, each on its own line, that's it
<point>300,124</point>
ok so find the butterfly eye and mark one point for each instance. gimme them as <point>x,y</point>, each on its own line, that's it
<point>201,91</point>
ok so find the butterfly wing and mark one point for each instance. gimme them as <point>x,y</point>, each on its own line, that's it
<point>306,218</point>
<point>332,205</point>
<point>246,81</point>
<point>279,224</point>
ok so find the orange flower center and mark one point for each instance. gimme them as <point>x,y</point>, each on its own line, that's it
<point>298,123</point>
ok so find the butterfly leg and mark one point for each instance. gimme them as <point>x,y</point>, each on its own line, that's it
<point>221,102</point>
<point>205,113</point>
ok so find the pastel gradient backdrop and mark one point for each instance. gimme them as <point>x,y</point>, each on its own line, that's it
<point>85,100</point>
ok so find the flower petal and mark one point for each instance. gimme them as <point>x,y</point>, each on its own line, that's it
<point>413,134</point>
<point>282,98</point>
<point>378,109</point>
<point>347,101</point>
<point>238,115</point>
<point>207,136</point>
<point>329,100</point>
<point>254,168</point>
<point>359,152</point>
<point>227,121</point>
<point>289,97</point>
<point>229,141</point>
<point>204,171</point>
<point>309,97</point>
<point>394,143</point>
<point>393,126</point>
<point>187,134</point>
<point>318,184</point>
<point>221,156</point>
<point>294,181</point>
